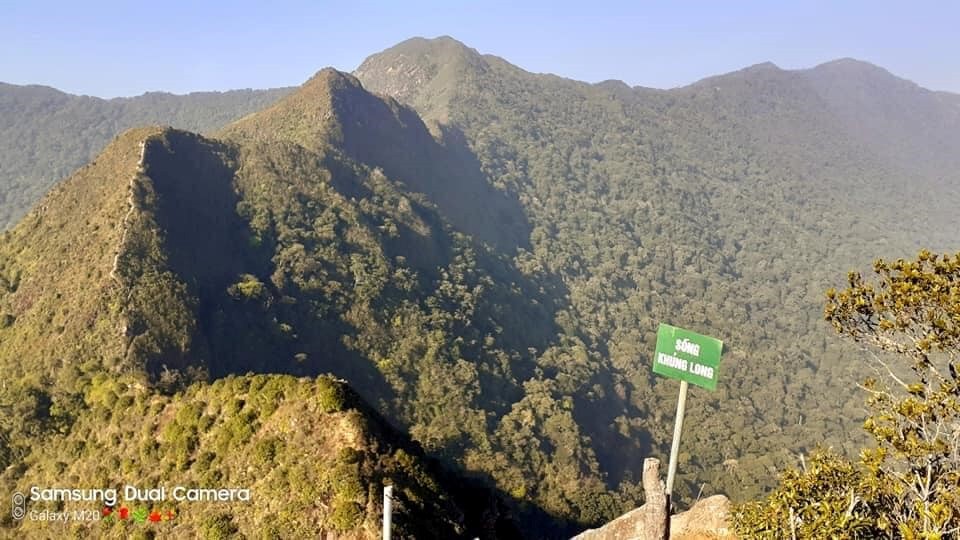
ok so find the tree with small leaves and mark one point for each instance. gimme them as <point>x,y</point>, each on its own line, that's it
<point>908,485</point>
<point>910,321</point>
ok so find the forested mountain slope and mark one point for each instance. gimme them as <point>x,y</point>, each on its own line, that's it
<point>727,206</point>
<point>484,257</point>
<point>907,126</point>
<point>131,299</point>
<point>46,134</point>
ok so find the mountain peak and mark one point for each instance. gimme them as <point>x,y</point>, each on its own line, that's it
<point>850,70</point>
<point>329,77</point>
<point>846,74</point>
<point>422,72</point>
<point>849,63</point>
<point>763,66</point>
<point>321,89</point>
<point>442,47</point>
<point>310,116</point>
<point>763,69</point>
<point>750,75</point>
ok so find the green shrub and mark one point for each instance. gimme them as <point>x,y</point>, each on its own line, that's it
<point>330,395</point>
<point>218,527</point>
<point>248,288</point>
<point>349,455</point>
<point>345,480</point>
<point>205,423</point>
<point>265,451</point>
<point>829,498</point>
<point>346,515</point>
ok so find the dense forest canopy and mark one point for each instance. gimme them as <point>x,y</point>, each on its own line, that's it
<point>484,255</point>
<point>725,206</point>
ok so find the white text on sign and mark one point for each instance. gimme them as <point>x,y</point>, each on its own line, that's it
<point>683,365</point>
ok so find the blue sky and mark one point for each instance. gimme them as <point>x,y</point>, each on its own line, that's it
<point>124,48</point>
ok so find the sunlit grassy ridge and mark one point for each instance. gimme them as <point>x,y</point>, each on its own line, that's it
<point>312,462</point>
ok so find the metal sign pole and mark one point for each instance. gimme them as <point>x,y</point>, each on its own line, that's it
<point>387,511</point>
<point>675,448</point>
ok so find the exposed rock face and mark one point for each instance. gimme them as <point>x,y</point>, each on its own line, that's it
<point>629,526</point>
<point>708,519</point>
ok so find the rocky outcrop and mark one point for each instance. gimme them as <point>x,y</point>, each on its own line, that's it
<point>708,519</point>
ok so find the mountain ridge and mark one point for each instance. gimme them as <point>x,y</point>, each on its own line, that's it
<point>164,93</point>
<point>817,98</point>
<point>143,323</point>
<point>22,182</point>
<point>485,261</point>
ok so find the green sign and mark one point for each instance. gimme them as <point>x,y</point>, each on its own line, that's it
<point>688,356</point>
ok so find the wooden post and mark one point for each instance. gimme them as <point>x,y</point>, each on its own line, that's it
<point>656,522</point>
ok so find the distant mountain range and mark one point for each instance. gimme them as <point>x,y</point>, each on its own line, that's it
<point>46,134</point>
<point>483,255</point>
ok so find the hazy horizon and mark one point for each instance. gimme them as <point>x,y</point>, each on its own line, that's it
<point>309,75</point>
<point>122,50</point>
